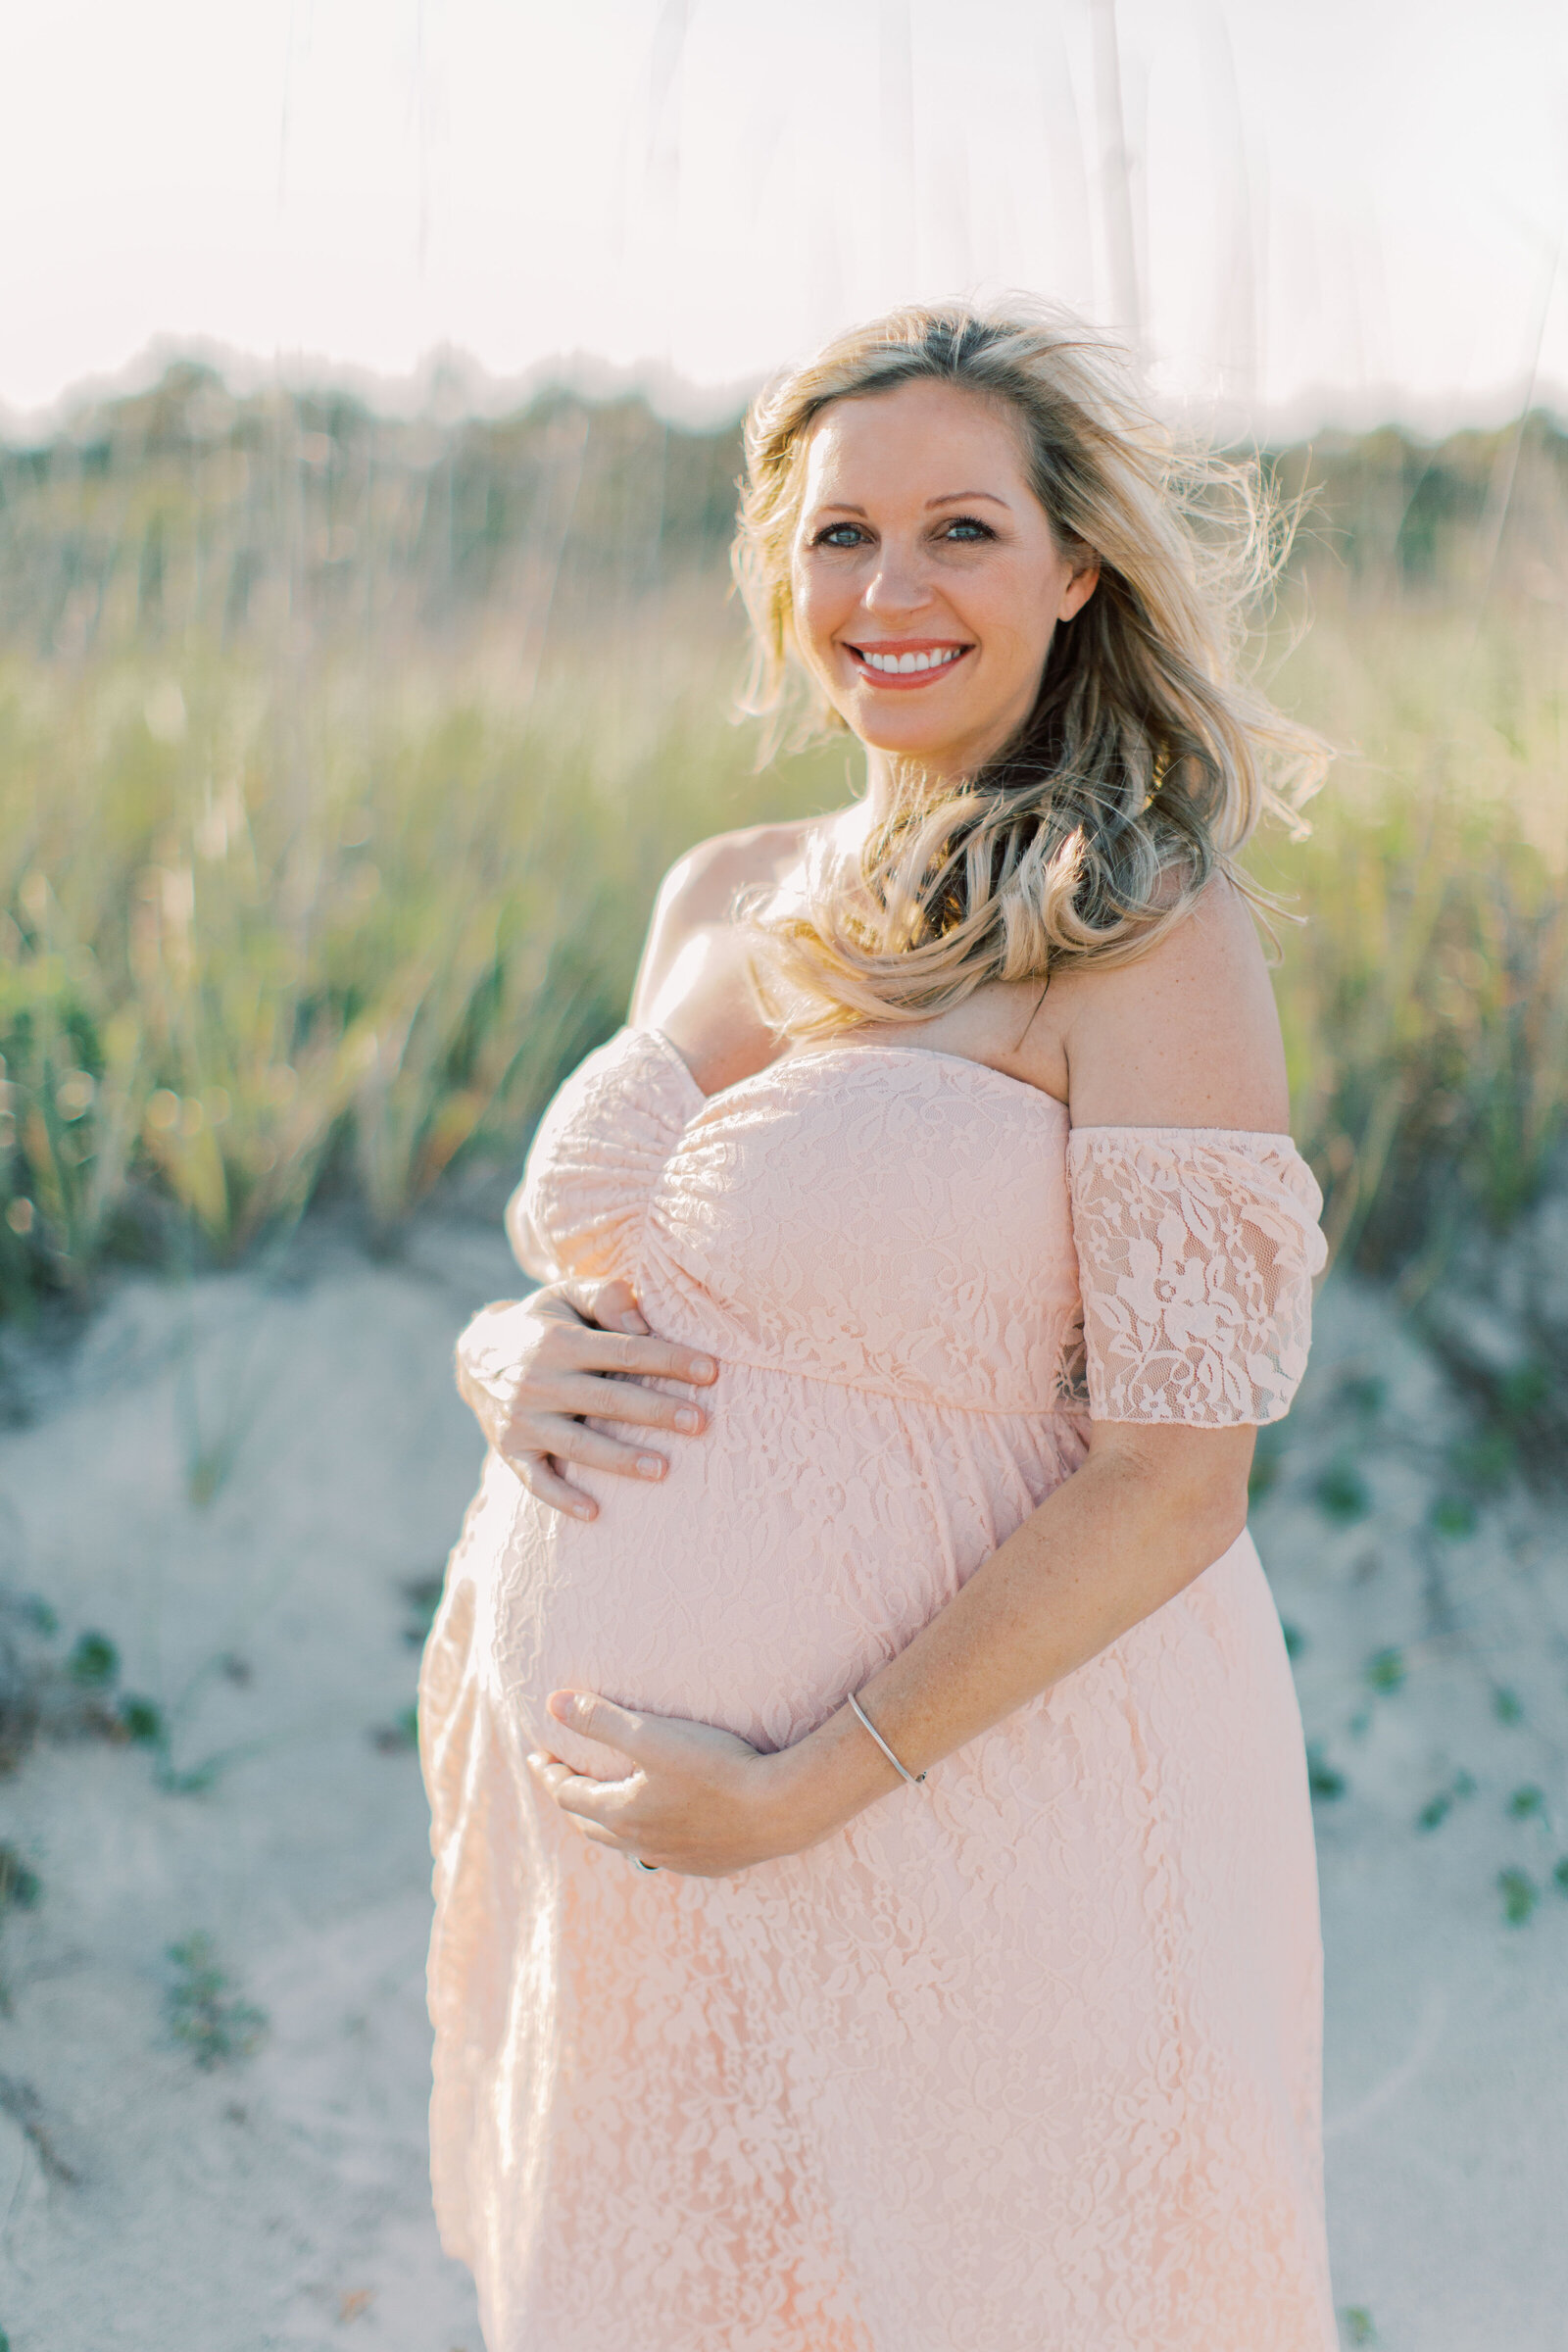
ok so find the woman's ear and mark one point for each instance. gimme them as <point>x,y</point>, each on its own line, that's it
<point>1080,588</point>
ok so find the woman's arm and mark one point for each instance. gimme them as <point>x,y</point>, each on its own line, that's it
<point>1149,1511</point>
<point>1187,1038</point>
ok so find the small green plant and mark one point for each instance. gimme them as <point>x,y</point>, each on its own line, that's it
<point>1523,1390</point>
<point>1520,1896</point>
<point>20,1883</point>
<point>1526,1803</point>
<point>1356,2320</point>
<point>94,1661</point>
<point>1325,1782</point>
<point>422,1594</point>
<point>204,2012</point>
<point>140,1719</point>
<point>194,1780</point>
<point>164,1741</point>
<point>401,1734</point>
<point>1386,1671</point>
<point>1485,1463</point>
<point>1435,1812</point>
<point>1262,1478</point>
<point>1343,1492</point>
<point>1268,1460</point>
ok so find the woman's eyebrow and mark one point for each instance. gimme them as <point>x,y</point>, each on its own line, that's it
<point>949,498</point>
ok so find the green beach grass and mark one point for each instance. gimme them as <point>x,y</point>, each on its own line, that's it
<point>329,883</point>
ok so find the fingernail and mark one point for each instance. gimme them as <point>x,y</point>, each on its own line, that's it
<point>580,1510</point>
<point>634,1325</point>
<point>703,1367</point>
<point>649,1465</point>
<point>687,1419</point>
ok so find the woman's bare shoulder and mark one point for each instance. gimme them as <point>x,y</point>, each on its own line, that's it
<point>688,938</point>
<point>1186,1035</point>
<point>701,886</point>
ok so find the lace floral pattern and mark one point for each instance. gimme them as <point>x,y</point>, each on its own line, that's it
<point>1024,2060</point>
<point>1196,1250</point>
<point>599,1152</point>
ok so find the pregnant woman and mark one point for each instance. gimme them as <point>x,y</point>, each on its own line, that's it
<point>875,1894</point>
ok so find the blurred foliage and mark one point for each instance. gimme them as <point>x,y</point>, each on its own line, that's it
<point>340,757</point>
<point>248,935</point>
<point>1520,1896</point>
<point>1425,999</point>
<point>204,2012</point>
<point>186,511</point>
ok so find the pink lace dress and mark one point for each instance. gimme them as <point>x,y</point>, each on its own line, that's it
<point>1022,2060</point>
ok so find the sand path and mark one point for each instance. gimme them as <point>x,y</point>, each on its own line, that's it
<point>280,2199</point>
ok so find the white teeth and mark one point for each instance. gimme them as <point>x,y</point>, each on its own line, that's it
<point>902,664</point>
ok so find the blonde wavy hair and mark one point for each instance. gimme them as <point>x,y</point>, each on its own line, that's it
<point>1148,759</point>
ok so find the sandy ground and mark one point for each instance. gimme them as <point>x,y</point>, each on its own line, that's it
<point>280,2198</point>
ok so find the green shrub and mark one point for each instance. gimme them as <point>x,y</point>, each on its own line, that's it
<point>1520,1896</point>
<point>204,2010</point>
<point>340,759</point>
<point>94,1661</point>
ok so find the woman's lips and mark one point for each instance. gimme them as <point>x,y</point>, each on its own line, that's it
<point>939,660</point>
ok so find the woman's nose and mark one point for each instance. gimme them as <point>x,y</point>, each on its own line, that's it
<point>898,584</point>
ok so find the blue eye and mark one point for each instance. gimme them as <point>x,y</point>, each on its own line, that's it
<point>839,534</point>
<point>967,528</point>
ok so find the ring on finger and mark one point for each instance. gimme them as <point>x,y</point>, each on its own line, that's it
<point>642,1865</point>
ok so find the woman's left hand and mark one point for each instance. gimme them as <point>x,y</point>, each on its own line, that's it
<point>694,1800</point>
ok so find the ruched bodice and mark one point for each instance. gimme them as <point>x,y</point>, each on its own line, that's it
<point>902,1220</point>
<point>1025,2058</point>
<point>884,1217</point>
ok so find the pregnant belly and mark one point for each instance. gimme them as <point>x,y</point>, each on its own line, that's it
<point>804,1538</point>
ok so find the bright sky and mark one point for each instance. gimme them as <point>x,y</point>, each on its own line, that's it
<point>1334,208</point>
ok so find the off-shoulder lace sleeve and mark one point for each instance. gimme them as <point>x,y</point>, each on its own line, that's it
<point>1196,1249</point>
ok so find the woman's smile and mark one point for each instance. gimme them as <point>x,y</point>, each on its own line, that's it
<point>905,663</point>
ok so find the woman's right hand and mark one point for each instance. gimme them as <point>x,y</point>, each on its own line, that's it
<point>531,1369</point>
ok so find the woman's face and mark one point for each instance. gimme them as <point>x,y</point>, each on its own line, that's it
<point>925,576</point>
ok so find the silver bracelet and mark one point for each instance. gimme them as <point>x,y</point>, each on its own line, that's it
<point>910,1776</point>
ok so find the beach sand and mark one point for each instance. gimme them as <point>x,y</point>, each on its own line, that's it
<point>280,2198</point>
